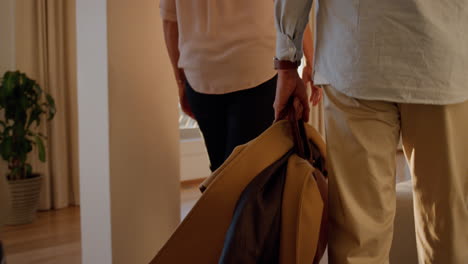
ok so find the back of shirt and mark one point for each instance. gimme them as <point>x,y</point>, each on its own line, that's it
<point>409,51</point>
<point>225,45</point>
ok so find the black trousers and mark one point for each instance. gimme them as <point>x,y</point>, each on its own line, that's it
<point>232,119</point>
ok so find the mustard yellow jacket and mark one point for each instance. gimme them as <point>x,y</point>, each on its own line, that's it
<point>200,237</point>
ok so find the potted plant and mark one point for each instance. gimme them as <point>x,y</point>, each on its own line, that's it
<point>23,106</point>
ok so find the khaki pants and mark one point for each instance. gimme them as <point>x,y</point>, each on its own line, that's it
<point>362,139</point>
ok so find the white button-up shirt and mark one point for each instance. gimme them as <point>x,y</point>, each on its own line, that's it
<point>407,51</point>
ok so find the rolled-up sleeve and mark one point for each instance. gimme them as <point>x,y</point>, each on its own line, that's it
<point>291,18</point>
<point>168,10</point>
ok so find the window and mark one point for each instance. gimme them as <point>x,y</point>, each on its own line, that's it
<point>187,126</point>
<point>194,163</point>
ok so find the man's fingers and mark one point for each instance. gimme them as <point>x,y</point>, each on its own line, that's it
<point>186,109</point>
<point>184,104</point>
<point>307,75</point>
<point>279,106</point>
<point>298,108</point>
<point>283,92</point>
<point>301,95</point>
<point>316,95</point>
<point>306,79</point>
<point>278,111</point>
<point>290,84</point>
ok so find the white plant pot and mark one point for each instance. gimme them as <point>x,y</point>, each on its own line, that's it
<point>24,200</point>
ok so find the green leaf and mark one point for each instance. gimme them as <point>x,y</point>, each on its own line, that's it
<point>41,149</point>
<point>28,169</point>
<point>35,116</point>
<point>37,88</point>
<point>28,146</point>
<point>15,173</point>
<point>23,103</point>
<point>10,80</point>
<point>6,148</point>
<point>52,109</point>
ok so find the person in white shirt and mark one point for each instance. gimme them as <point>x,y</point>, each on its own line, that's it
<point>396,68</point>
<point>221,53</point>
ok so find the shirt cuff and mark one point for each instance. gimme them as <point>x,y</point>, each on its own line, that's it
<point>286,49</point>
<point>168,15</point>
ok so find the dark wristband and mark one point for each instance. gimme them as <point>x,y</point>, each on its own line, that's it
<point>285,64</point>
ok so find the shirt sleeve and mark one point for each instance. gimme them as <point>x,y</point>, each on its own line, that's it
<point>291,18</point>
<point>168,10</point>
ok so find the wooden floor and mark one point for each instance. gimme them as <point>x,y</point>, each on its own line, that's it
<point>189,196</point>
<point>54,238</point>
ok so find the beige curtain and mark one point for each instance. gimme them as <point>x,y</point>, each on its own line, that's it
<point>317,112</point>
<point>45,50</point>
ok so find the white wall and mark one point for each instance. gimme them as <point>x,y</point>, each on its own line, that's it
<point>93,119</point>
<point>128,132</point>
<point>7,35</point>
<point>144,136</point>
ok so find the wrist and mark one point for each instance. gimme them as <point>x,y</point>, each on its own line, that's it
<point>287,72</point>
<point>180,82</point>
<point>285,64</point>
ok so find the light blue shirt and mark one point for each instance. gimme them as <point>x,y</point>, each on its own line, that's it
<point>406,51</point>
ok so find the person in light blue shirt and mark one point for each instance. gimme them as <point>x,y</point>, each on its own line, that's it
<point>396,68</point>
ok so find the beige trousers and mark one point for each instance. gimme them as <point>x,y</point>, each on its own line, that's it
<point>362,139</point>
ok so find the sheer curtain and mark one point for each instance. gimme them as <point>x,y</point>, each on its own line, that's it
<point>45,50</point>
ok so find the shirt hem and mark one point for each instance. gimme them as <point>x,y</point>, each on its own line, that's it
<point>228,89</point>
<point>168,15</point>
<point>426,101</point>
